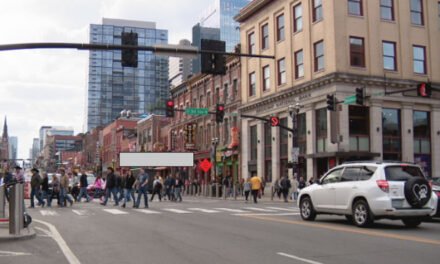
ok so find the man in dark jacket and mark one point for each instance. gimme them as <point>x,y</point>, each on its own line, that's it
<point>285,186</point>
<point>110,186</point>
<point>128,181</point>
<point>178,186</point>
<point>83,184</point>
<point>35,188</point>
<point>143,180</point>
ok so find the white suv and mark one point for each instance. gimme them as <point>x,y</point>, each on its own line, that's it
<point>366,191</point>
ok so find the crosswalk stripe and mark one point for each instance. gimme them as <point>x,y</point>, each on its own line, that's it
<point>146,211</point>
<point>204,210</point>
<point>177,211</point>
<point>115,211</point>
<point>232,210</point>
<point>48,213</point>
<point>80,212</point>
<point>284,209</point>
<point>259,209</point>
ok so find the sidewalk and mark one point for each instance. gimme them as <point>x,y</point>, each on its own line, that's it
<point>26,233</point>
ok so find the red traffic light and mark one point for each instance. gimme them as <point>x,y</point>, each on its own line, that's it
<point>170,103</point>
<point>221,108</point>
<point>274,121</point>
<point>424,90</point>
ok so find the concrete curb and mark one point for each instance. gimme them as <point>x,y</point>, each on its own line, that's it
<point>27,233</point>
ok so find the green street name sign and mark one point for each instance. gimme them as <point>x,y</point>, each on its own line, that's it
<point>350,99</point>
<point>196,111</point>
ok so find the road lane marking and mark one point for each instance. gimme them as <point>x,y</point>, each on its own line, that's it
<point>80,212</point>
<point>146,211</point>
<point>355,230</point>
<point>204,210</point>
<point>13,254</point>
<point>298,258</point>
<point>264,214</point>
<point>71,258</point>
<point>232,210</point>
<point>177,211</point>
<point>46,232</point>
<point>283,209</point>
<point>115,211</point>
<point>258,209</point>
<point>48,213</point>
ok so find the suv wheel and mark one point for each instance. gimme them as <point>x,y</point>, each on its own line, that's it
<point>412,222</point>
<point>306,208</point>
<point>361,214</point>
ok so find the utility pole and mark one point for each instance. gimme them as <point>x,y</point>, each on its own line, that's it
<point>294,111</point>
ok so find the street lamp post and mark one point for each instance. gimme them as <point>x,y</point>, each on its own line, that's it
<point>294,111</point>
<point>214,163</point>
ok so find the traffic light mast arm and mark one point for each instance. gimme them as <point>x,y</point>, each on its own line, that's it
<point>155,49</point>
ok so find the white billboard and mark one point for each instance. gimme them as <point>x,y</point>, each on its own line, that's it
<point>155,159</point>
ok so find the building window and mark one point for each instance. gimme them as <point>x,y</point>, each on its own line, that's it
<point>252,84</point>
<point>280,27</point>
<point>387,10</point>
<point>359,128</point>
<point>226,93</point>
<point>299,64</point>
<point>254,143</point>
<point>234,89</point>
<point>281,71</point>
<point>298,19</point>
<point>251,43</point>
<point>419,59</point>
<point>357,52</point>
<point>321,130</point>
<point>355,7</point>
<point>422,140</point>
<point>391,133</point>
<point>417,12</point>
<point>317,10</point>
<point>318,48</point>
<point>265,36</point>
<point>389,56</point>
<point>266,78</point>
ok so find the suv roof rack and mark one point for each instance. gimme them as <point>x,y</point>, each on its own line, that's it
<point>377,161</point>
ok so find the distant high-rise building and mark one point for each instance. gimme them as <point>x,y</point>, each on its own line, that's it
<point>199,33</point>
<point>221,15</point>
<point>180,68</point>
<point>4,143</point>
<point>112,87</point>
<point>51,131</point>
<point>13,146</point>
<point>35,149</point>
<point>43,132</point>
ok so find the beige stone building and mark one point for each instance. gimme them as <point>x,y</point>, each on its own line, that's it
<point>324,47</point>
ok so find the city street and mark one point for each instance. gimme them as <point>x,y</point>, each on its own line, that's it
<point>201,230</point>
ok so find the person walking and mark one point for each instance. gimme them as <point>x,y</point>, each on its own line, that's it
<point>35,188</point>
<point>276,189</point>
<point>45,192</point>
<point>56,187</point>
<point>98,186</point>
<point>157,189</point>
<point>129,182</point>
<point>247,186</point>
<point>169,185</point>
<point>110,187</point>
<point>119,187</point>
<point>142,188</point>
<point>64,190</point>
<point>256,186</point>
<point>294,189</point>
<point>178,188</point>
<point>301,183</point>
<point>285,185</point>
<point>83,184</point>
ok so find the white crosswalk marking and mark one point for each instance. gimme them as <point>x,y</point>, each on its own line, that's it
<point>115,211</point>
<point>146,211</point>
<point>177,211</point>
<point>204,210</point>
<point>259,209</point>
<point>48,213</point>
<point>232,210</point>
<point>284,209</point>
<point>80,212</point>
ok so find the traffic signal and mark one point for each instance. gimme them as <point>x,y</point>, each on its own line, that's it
<point>129,56</point>
<point>331,106</point>
<point>219,113</point>
<point>274,121</point>
<point>213,63</point>
<point>360,96</point>
<point>424,90</point>
<point>169,108</point>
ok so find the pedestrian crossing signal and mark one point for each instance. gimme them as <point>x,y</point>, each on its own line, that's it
<point>331,102</point>
<point>424,90</point>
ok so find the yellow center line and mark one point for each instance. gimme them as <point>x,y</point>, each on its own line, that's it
<point>348,230</point>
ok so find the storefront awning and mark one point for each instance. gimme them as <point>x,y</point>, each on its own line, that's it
<point>340,154</point>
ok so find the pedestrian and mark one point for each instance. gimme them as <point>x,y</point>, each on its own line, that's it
<point>294,189</point>
<point>301,183</point>
<point>18,175</point>
<point>285,185</point>
<point>256,186</point>
<point>98,186</point>
<point>247,187</point>
<point>157,189</point>
<point>178,188</point>
<point>129,182</point>
<point>143,180</point>
<point>35,188</point>
<point>277,189</point>
<point>311,181</point>
<point>110,187</point>
<point>75,184</point>
<point>83,184</point>
<point>7,180</point>
<point>169,185</point>
<point>119,187</point>
<point>56,188</point>
<point>45,192</point>
<point>64,190</point>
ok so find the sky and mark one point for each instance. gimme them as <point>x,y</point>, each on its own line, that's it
<point>48,87</point>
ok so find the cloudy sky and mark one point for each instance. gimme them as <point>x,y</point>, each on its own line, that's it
<point>48,87</point>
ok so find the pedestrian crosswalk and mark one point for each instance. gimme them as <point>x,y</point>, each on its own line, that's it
<point>168,210</point>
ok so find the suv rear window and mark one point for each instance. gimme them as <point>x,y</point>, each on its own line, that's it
<point>402,173</point>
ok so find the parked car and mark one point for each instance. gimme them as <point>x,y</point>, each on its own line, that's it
<point>436,190</point>
<point>368,191</point>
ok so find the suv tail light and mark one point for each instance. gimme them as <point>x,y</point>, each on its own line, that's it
<point>383,185</point>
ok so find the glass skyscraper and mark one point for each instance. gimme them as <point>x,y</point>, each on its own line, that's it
<point>199,33</point>
<point>111,87</point>
<point>221,15</point>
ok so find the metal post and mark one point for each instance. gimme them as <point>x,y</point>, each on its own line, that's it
<point>2,200</point>
<point>294,111</point>
<point>16,214</point>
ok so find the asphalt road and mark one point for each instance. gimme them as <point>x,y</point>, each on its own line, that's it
<point>215,231</point>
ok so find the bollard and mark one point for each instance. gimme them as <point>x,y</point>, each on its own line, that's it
<point>2,201</point>
<point>16,214</point>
